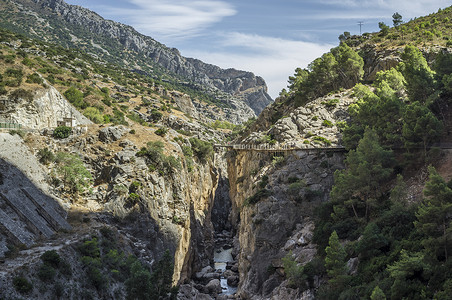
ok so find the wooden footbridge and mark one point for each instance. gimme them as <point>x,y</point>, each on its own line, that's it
<point>278,148</point>
<point>307,148</point>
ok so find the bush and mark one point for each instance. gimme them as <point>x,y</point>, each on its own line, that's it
<point>203,150</point>
<point>161,131</point>
<point>94,115</point>
<point>45,156</point>
<point>156,115</point>
<point>21,94</point>
<point>327,123</point>
<point>73,172</point>
<point>321,139</point>
<point>263,193</point>
<point>34,78</point>
<point>90,248</point>
<point>19,132</point>
<point>22,285</point>
<point>75,97</point>
<point>62,132</point>
<point>331,103</point>
<point>46,272</point>
<point>51,258</point>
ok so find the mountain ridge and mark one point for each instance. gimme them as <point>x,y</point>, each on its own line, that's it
<point>107,39</point>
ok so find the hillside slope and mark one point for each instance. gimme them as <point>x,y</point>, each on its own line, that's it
<point>76,27</point>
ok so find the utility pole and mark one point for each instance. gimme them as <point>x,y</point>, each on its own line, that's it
<point>360,23</point>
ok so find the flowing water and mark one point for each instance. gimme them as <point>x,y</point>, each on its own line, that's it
<point>221,259</point>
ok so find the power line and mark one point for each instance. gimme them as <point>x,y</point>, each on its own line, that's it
<point>360,23</point>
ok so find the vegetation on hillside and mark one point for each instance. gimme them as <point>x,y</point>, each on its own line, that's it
<point>403,247</point>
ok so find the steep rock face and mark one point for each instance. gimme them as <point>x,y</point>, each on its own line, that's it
<point>239,87</point>
<point>179,203</point>
<point>46,108</point>
<point>280,222</point>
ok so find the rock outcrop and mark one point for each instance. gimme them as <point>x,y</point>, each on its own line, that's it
<point>44,110</point>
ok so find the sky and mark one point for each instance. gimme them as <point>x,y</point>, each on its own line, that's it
<point>267,37</point>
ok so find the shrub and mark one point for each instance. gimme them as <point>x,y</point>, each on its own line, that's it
<point>327,123</point>
<point>263,193</point>
<point>21,94</point>
<point>46,156</point>
<point>51,258</point>
<point>73,172</point>
<point>90,248</point>
<point>22,285</point>
<point>156,115</point>
<point>331,103</point>
<point>19,132</point>
<point>34,78</point>
<point>203,150</point>
<point>46,272</point>
<point>156,159</point>
<point>277,160</point>
<point>161,131</point>
<point>75,96</point>
<point>321,139</point>
<point>62,132</point>
<point>94,115</point>
<point>188,152</point>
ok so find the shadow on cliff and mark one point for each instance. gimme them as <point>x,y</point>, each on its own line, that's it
<point>29,216</point>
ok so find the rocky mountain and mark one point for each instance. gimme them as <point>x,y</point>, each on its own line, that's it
<point>146,196</point>
<point>76,27</point>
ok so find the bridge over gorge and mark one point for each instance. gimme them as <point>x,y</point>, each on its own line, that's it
<point>278,148</point>
<point>292,147</point>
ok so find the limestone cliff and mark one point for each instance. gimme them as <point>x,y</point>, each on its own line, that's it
<point>46,108</point>
<point>274,195</point>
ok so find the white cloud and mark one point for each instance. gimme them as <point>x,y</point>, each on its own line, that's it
<point>272,58</point>
<point>172,19</point>
<point>409,8</point>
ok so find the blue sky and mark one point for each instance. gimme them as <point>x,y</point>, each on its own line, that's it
<point>268,37</point>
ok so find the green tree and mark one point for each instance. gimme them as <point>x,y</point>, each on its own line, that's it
<point>394,79</point>
<point>162,275</point>
<point>76,178</point>
<point>418,75</point>
<point>396,19</point>
<point>335,257</point>
<point>349,65</point>
<point>139,285</point>
<point>420,127</point>
<point>384,29</point>
<point>336,266</point>
<point>377,294</point>
<point>75,97</point>
<point>372,242</point>
<point>62,132</point>
<point>434,217</point>
<point>410,273</point>
<point>359,185</point>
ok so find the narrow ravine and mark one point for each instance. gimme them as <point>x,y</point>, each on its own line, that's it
<point>224,262</point>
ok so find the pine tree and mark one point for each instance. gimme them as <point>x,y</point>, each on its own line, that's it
<point>419,77</point>
<point>434,217</point>
<point>358,186</point>
<point>396,19</point>
<point>420,127</point>
<point>335,257</point>
<point>377,294</point>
